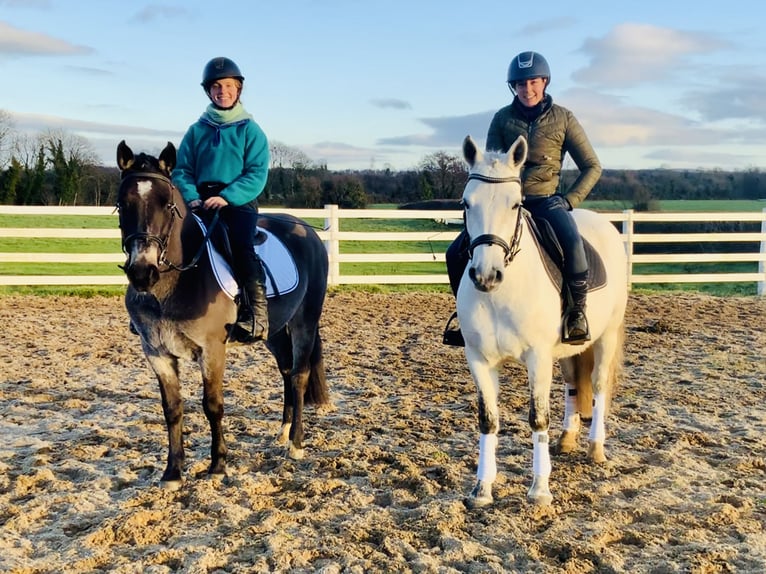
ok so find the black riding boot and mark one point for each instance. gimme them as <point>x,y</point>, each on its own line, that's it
<point>253,314</point>
<point>575,324</point>
<point>457,259</point>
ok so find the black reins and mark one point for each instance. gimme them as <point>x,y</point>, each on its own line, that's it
<point>511,249</point>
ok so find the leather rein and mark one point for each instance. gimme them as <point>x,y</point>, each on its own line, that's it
<point>512,248</point>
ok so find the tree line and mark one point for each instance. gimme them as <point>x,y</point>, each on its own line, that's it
<point>58,168</point>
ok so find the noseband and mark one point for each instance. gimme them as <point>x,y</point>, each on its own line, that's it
<point>161,241</point>
<point>511,249</point>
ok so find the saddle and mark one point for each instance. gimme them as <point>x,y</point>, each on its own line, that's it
<point>277,261</point>
<point>553,255</point>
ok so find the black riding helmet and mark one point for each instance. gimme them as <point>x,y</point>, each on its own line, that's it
<point>218,69</point>
<point>526,66</point>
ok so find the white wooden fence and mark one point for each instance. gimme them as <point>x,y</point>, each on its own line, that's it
<point>333,236</point>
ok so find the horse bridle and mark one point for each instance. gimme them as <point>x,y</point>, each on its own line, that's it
<point>161,241</point>
<point>511,249</point>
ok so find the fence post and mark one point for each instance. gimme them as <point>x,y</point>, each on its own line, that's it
<point>332,244</point>
<point>627,231</point>
<point>761,286</point>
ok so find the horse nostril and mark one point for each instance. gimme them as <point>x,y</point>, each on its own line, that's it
<point>472,274</point>
<point>499,276</point>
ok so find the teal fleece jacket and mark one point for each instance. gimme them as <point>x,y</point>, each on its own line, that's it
<point>225,146</point>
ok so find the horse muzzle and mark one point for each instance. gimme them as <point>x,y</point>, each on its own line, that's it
<point>142,269</point>
<point>486,281</point>
<point>142,277</point>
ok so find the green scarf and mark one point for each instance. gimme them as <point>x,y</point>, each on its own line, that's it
<point>223,117</point>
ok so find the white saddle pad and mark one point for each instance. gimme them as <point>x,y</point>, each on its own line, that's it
<point>281,275</point>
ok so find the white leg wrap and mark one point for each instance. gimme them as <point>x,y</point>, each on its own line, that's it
<point>597,425</point>
<point>541,458</point>
<point>487,470</point>
<point>571,416</point>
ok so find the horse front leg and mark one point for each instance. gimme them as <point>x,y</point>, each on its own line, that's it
<point>540,373</point>
<point>487,385</point>
<point>212,364</point>
<point>166,370</point>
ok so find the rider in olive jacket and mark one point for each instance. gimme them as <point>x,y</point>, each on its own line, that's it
<point>551,132</point>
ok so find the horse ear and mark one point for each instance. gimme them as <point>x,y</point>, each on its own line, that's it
<point>517,154</point>
<point>471,153</point>
<point>124,156</point>
<point>168,158</point>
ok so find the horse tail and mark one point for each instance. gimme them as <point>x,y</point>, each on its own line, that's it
<point>582,368</point>
<point>579,370</point>
<point>615,367</point>
<point>317,392</point>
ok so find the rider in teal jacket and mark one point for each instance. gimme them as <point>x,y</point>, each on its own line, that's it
<point>222,167</point>
<point>213,150</point>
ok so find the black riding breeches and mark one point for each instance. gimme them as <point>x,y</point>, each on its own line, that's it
<point>555,210</point>
<point>241,223</point>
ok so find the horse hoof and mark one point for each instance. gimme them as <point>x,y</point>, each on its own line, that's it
<point>567,443</point>
<point>539,493</point>
<point>540,499</point>
<point>171,485</point>
<point>596,452</point>
<point>296,453</point>
<point>284,435</point>
<point>217,477</point>
<point>480,496</point>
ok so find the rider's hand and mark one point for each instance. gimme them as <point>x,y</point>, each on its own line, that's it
<point>215,202</point>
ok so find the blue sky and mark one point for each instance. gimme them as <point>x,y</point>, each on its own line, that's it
<point>359,85</point>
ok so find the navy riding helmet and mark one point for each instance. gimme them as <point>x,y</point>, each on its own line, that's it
<point>219,68</point>
<point>528,65</point>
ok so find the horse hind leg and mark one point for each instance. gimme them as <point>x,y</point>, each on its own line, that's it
<point>578,397</point>
<point>281,347</point>
<point>608,364</point>
<point>299,358</point>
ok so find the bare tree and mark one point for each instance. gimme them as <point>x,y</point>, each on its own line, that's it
<point>445,175</point>
<point>6,138</point>
<point>288,157</point>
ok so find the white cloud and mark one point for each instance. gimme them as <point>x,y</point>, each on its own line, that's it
<point>16,41</point>
<point>631,54</point>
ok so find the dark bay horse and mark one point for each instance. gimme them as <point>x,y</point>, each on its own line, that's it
<point>181,312</point>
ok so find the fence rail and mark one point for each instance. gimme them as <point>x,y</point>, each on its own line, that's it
<point>334,237</point>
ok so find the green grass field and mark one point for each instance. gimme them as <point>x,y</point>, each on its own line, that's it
<point>43,245</point>
<point>705,206</point>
